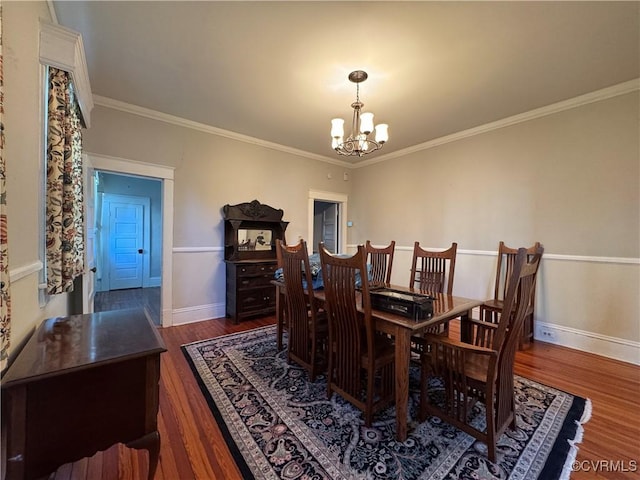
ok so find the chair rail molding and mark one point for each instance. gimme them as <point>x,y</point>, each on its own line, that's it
<point>198,249</point>
<point>546,257</point>
<point>25,270</point>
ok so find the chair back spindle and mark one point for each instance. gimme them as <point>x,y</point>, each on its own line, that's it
<point>433,271</point>
<point>381,261</point>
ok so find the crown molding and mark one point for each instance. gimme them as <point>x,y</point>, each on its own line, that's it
<point>596,96</point>
<point>182,122</point>
<point>62,48</point>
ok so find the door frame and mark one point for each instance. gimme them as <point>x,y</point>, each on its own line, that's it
<point>166,175</point>
<point>89,221</point>
<point>342,200</point>
<point>105,233</point>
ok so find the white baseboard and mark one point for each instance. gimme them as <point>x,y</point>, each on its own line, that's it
<point>611,347</point>
<point>198,313</point>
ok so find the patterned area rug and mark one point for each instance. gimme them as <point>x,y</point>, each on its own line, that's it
<point>278,424</point>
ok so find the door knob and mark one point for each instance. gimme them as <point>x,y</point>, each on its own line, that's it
<point>94,269</point>
<point>139,250</point>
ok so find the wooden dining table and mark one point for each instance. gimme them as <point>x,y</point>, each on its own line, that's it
<point>445,308</point>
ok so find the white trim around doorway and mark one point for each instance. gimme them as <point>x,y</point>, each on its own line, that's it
<point>165,174</point>
<point>340,198</point>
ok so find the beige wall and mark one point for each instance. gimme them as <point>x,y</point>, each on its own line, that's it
<point>211,171</point>
<point>570,180</point>
<point>23,135</point>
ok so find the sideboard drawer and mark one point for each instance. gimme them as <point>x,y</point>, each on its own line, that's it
<point>252,282</point>
<point>257,269</point>
<point>256,299</point>
<point>249,289</point>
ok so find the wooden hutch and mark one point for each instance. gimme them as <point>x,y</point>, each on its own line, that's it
<point>250,233</point>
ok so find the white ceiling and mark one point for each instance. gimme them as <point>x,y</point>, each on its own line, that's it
<point>277,71</point>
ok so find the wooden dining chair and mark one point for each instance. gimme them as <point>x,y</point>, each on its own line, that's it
<point>491,310</point>
<point>361,361</point>
<point>381,261</point>
<point>472,373</point>
<point>433,272</point>
<point>307,326</point>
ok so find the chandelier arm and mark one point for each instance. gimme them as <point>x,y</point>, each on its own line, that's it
<point>351,147</point>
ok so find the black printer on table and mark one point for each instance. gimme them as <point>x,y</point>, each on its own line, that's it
<point>416,306</point>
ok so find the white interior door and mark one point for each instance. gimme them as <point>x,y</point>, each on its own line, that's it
<point>316,221</point>
<point>126,242</point>
<point>329,227</point>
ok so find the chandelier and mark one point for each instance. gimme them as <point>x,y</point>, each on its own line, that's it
<point>358,143</point>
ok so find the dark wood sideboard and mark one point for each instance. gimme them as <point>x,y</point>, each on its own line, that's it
<point>250,232</point>
<point>249,289</point>
<point>80,385</point>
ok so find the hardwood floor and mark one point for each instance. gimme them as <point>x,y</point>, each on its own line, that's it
<point>148,298</point>
<point>193,447</point>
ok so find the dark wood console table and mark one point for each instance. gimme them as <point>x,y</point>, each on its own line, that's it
<point>80,385</point>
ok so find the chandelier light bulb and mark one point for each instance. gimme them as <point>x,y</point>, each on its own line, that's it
<point>366,123</point>
<point>382,133</point>
<point>337,128</point>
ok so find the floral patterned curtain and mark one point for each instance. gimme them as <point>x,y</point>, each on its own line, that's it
<point>5,297</point>
<point>65,243</point>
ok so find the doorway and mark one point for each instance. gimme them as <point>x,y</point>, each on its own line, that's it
<point>163,177</point>
<point>129,243</point>
<point>328,221</point>
<point>326,218</point>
